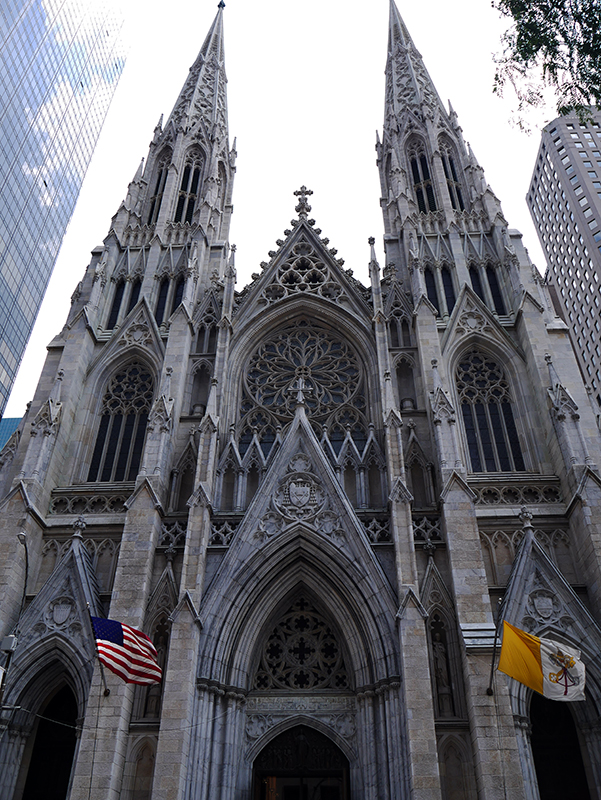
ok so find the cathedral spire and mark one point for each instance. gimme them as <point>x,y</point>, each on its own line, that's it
<point>408,84</point>
<point>203,95</point>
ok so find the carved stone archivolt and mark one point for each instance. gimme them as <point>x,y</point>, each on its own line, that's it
<point>300,497</point>
<point>342,722</point>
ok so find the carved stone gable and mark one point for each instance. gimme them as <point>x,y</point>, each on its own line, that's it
<point>300,496</point>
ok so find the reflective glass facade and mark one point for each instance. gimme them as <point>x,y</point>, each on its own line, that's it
<point>60,61</point>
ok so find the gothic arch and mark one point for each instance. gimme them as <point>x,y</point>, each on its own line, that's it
<point>159,179</point>
<point>290,606</point>
<point>294,721</point>
<point>510,363</point>
<point>298,557</point>
<point>199,386</point>
<point>453,173</point>
<point>190,184</point>
<point>137,782</point>
<point>98,385</point>
<point>419,168</point>
<point>44,666</point>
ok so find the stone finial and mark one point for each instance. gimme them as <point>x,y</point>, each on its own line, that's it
<point>79,526</point>
<point>553,376</point>
<point>526,518</point>
<point>303,207</point>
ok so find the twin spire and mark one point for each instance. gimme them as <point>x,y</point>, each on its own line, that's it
<point>408,84</point>
<point>203,95</point>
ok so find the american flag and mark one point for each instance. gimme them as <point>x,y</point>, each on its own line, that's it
<point>127,652</point>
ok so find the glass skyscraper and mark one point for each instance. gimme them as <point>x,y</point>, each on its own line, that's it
<point>60,62</point>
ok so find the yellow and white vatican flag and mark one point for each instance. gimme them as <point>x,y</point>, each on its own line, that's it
<point>547,667</point>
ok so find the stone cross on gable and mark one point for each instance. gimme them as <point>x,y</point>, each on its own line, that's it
<point>303,206</point>
<point>300,390</point>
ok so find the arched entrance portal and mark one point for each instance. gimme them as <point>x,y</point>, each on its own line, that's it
<point>52,756</point>
<point>556,751</point>
<point>301,764</point>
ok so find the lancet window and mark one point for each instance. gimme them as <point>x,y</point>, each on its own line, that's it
<point>188,190</point>
<point>440,288</point>
<point>452,179</point>
<point>170,295</point>
<point>485,283</point>
<point>398,328</point>
<point>126,293</point>
<point>422,179</point>
<point>116,304</point>
<point>487,410</point>
<point>156,198</point>
<point>124,415</point>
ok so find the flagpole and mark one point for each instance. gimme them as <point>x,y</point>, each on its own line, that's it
<point>490,691</point>
<point>107,691</point>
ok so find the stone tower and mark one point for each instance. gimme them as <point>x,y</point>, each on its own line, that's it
<point>309,493</point>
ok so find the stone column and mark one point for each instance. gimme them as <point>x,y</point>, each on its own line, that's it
<point>98,773</point>
<point>178,713</point>
<point>496,754</point>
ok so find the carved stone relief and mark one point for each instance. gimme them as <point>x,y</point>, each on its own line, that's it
<point>300,497</point>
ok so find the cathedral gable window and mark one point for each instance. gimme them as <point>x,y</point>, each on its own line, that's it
<point>422,179</point>
<point>301,653</point>
<point>188,190</point>
<point>487,410</point>
<point>122,429</point>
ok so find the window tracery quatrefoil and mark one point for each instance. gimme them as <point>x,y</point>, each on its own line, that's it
<point>329,367</point>
<point>301,653</point>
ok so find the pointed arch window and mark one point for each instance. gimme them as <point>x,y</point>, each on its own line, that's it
<point>116,305</point>
<point>156,198</point>
<point>453,183</point>
<point>122,429</point>
<point>431,288</point>
<point>487,410</point>
<point>178,293</point>
<point>159,313</point>
<point>134,295</point>
<point>188,190</point>
<point>449,289</point>
<point>422,179</point>
<point>485,283</point>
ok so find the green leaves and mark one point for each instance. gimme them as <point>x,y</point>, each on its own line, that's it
<point>552,43</point>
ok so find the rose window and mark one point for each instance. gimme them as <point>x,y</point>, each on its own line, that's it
<point>301,653</point>
<point>328,367</point>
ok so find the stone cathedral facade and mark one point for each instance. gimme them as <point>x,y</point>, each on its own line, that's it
<point>310,493</point>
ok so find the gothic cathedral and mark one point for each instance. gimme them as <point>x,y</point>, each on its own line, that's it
<point>312,494</point>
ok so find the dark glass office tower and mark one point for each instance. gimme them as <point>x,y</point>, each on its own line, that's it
<point>60,61</point>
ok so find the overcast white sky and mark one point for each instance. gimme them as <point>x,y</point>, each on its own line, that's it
<point>305,97</point>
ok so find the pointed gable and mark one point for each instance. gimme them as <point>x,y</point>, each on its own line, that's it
<point>303,265</point>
